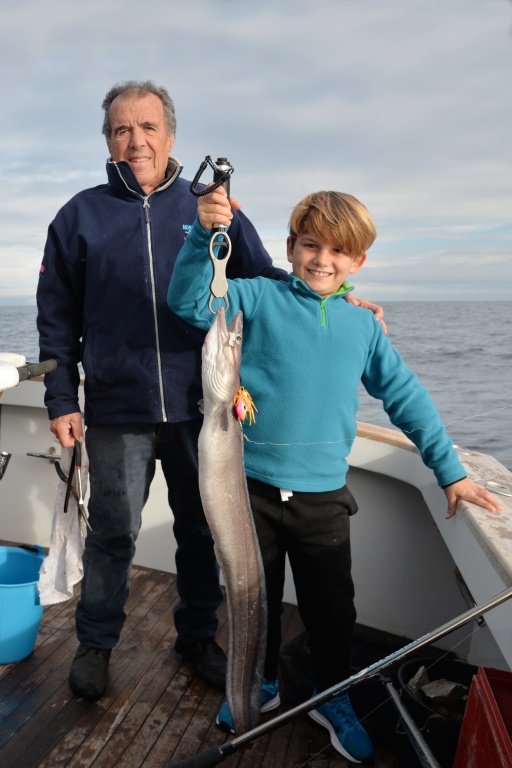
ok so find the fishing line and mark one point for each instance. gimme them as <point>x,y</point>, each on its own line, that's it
<point>459,421</point>
<point>478,415</point>
<point>284,445</point>
<point>315,755</point>
<point>427,668</point>
<point>405,431</point>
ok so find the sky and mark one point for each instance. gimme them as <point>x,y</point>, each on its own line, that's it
<point>406,104</point>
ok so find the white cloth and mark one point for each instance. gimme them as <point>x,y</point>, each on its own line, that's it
<point>63,567</point>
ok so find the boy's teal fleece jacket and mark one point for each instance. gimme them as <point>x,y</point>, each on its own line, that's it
<point>303,358</point>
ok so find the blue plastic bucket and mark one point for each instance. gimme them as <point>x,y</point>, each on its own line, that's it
<point>20,611</point>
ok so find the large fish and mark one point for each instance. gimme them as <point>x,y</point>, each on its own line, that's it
<point>227,508</point>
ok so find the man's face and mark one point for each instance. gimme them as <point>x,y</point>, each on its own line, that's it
<point>139,137</point>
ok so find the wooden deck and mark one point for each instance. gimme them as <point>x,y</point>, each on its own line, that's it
<point>155,712</point>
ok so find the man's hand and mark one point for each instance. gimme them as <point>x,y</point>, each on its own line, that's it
<point>469,491</point>
<point>67,429</point>
<point>375,308</point>
<point>215,208</point>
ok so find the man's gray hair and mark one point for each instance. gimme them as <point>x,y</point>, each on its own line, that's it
<point>141,88</point>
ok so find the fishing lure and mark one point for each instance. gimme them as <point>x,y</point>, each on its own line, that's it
<point>244,405</point>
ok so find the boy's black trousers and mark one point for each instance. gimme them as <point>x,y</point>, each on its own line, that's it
<point>314,530</point>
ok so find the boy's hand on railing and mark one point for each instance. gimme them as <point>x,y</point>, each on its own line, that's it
<point>467,490</point>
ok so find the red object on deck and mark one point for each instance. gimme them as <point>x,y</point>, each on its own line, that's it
<point>485,738</point>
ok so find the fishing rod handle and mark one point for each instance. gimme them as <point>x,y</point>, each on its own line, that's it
<point>222,173</point>
<point>212,756</point>
<point>31,370</point>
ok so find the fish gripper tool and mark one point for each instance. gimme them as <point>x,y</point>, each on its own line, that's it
<point>222,170</point>
<point>219,283</point>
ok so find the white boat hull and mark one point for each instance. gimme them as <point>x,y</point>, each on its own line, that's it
<point>404,551</point>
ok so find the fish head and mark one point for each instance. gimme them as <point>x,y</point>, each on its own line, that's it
<point>221,358</point>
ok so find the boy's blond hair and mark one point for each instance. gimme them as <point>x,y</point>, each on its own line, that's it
<point>336,217</point>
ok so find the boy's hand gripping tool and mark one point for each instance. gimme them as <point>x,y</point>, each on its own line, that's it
<point>222,171</point>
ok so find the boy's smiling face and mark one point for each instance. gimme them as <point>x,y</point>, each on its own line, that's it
<point>320,264</point>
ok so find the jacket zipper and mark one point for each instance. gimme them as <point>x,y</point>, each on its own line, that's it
<point>323,312</point>
<point>147,219</point>
<point>323,302</point>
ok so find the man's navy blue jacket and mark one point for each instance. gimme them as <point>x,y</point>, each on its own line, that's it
<point>102,300</point>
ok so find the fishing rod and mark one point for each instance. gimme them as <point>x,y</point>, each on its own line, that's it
<point>216,755</point>
<point>222,171</point>
<point>11,374</point>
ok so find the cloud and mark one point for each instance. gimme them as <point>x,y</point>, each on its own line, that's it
<point>405,104</point>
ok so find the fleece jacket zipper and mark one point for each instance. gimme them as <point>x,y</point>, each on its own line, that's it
<point>343,289</point>
<point>147,221</point>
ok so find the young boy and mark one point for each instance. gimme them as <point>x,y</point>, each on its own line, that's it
<point>305,351</point>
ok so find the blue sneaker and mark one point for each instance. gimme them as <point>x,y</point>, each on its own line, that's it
<point>348,736</point>
<point>269,700</point>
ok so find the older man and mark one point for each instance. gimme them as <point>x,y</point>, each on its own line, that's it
<point>101,298</point>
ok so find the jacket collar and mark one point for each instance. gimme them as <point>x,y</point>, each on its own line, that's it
<point>301,286</point>
<point>121,177</point>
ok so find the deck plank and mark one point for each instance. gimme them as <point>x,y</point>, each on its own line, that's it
<point>156,710</point>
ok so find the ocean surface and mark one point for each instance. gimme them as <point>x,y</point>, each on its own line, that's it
<point>461,351</point>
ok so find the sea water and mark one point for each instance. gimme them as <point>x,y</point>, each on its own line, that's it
<point>461,351</point>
